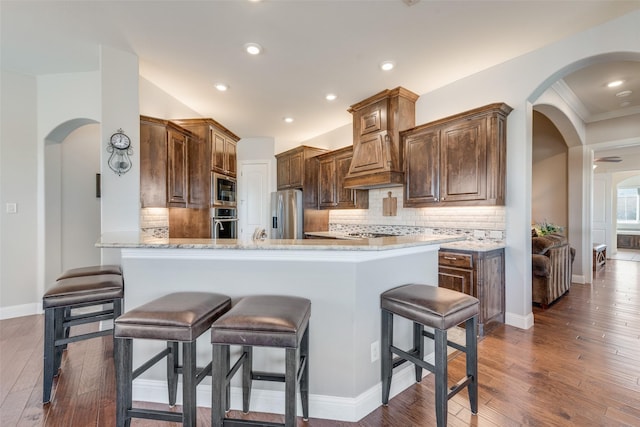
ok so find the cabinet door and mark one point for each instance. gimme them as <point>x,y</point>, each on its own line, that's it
<point>198,173</point>
<point>327,184</point>
<point>457,279</point>
<point>345,197</point>
<point>491,288</point>
<point>230,157</point>
<point>217,152</point>
<point>422,167</point>
<point>153,166</point>
<point>296,170</point>
<point>177,179</point>
<point>463,165</point>
<point>283,166</point>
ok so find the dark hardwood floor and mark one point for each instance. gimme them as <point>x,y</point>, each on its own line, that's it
<point>578,366</point>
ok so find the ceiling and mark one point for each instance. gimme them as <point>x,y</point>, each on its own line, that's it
<point>311,48</point>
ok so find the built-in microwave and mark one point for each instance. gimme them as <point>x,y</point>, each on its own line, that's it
<point>223,190</point>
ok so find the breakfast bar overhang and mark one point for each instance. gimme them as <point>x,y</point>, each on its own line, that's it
<point>342,278</point>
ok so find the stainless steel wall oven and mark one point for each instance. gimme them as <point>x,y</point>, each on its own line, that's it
<point>224,223</point>
<point>223,190</point>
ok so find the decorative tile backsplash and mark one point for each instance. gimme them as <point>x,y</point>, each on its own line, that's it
<point>154,222</point>
<point>477,222</point>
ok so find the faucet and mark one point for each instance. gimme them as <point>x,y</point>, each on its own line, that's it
<point>216,223</point>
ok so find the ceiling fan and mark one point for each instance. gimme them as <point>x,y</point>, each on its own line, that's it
<point>610,159</point>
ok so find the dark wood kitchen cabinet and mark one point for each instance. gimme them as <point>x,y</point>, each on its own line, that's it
<point>459,160</point>
<point>476,273</point>
<point>221,143</point>
<point>377,121</point>
<point>298,168</point>
<point>163,163</point>
<point>333,168</point>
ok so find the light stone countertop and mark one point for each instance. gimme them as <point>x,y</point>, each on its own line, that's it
<point>459,244</point>
<point>136,240</point>
<point>473,245</point>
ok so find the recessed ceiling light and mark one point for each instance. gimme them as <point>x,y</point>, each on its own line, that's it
<point>623,93</point>
<point>221,87</point>
<point>615,83</point>
<point>331,96</point>
<point>288,119</point>
<point>387,65</point>
<point>253,48</point>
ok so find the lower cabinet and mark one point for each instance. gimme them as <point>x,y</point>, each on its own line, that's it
<point>476,273</point>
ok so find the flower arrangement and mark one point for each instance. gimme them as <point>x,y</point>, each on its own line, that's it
<point>545,228</point>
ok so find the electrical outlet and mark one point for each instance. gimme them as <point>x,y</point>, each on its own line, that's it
<point>375,351</point>
<point>11,208</point>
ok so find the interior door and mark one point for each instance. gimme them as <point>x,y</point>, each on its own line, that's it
<point>253,206</point>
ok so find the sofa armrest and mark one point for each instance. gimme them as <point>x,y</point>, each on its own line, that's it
<point>540,265</point>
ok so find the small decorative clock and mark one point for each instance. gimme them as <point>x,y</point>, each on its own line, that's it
<point>120,149</point>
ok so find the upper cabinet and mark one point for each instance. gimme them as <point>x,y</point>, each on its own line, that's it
<point>163,163</point>
<point>221,143</point>
<point>458,160</point>
<point>333,169</point>
<point>377,121</point>
<point>297,168</point>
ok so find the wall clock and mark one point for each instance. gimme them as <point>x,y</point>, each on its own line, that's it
<point>120,149</point>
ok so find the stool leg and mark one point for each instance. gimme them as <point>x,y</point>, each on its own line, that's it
<point>189,405</point>
<point>219,384</point>
<point>471,326</point>
<point>386,358</point>
<point>304,378</point>
<point>172,372</point>
<point>418,346</point>
<point>290,380</point>
<point>117,308</point>
<point>59,332</point>
<point>124,379</point>
<point>247,367</point>
<point>49,353</point>
<point>442,397</point>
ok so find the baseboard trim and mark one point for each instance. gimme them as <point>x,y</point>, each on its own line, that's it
<point>20,310</point>
<point>320,406</point>
<point>519,321</point>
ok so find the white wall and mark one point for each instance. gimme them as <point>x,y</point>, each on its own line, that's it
<point>18,171</point>
<point>155,102</point>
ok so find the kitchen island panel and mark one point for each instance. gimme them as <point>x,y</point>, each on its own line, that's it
<point>345,314</point>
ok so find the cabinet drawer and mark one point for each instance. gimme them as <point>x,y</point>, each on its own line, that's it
<point>454,259</point>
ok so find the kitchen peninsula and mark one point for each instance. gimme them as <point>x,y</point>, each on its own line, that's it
<point>342,278</point>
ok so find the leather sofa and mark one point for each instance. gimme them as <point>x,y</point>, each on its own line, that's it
<point>551,268</point>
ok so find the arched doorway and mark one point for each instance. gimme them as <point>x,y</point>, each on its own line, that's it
<point>550,99</point>
<point>72,208</point>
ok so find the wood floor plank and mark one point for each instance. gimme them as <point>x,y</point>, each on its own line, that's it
<point>579,365</point>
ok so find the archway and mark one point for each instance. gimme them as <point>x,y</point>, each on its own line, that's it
<point>71,205</point>
<point>547,100</point>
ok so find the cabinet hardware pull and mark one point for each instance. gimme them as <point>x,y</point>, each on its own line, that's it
<point>452,258</point>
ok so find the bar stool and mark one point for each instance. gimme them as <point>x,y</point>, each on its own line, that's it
<point>60,299</point>
<point>174,318</point>
<point>264,321</point>
<point>440,309</point>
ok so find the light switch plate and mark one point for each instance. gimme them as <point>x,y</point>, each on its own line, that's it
<point>12,208</point>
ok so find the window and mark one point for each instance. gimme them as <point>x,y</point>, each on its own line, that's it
<point>628,205</point>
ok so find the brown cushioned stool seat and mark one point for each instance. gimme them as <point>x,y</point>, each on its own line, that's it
<point>91,271</point>
<point>440,309</point>
<point>264,321</point>
<point>174,318</point>
<point>104,290</point>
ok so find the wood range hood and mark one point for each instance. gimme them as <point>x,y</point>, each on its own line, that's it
<point>377,152</point>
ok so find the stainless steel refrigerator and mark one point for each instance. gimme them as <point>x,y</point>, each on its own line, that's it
<point>286,214</point>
